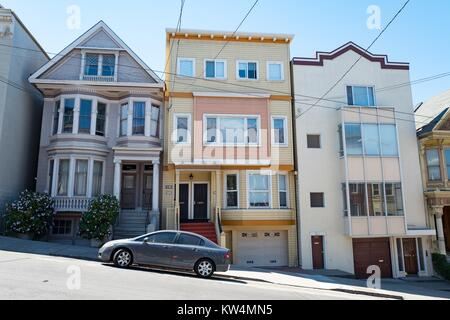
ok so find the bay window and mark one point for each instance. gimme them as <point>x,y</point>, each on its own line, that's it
<point>358,207</point>
<point>154,121</point>
<point>433,165</point>
<point>97,178</point>
<point>371,140</point>
<point>447,162</point>
<point>138,118</point>
<point>394,199</point>
<point>50,176</point>
<point>63,177</point>
<point>81,174</point>
<point>231,130</point>
<point>85,116</point>
<point>353,139</point>
<point>69,106</point>
<point>259,190</point>
<point>101,120</point>
<point>388,135</point>
<point>124,119</point>
<point>232,191</point>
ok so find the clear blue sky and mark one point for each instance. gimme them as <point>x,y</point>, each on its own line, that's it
<point>418,36</point>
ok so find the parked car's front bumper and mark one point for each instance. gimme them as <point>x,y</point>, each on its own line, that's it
<point>104,254</point>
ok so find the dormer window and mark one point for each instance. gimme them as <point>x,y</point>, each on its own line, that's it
<point>99,67</point>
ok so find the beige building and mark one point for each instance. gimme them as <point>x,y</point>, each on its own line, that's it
<point>229,149</point>
<point>361,200</point>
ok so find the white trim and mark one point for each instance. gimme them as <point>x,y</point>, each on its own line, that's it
<point>225,67</point>
<point>267,173</point>
<point>219,33</point>
<point>247,78</point>
<point>281,64</point>
<point>179,65</point>
<point>86,36</point>
<point>225,188</point>
<point>286,137</point>
<point>79,83</point>
<point>175,128</point>
<point>232,95</point>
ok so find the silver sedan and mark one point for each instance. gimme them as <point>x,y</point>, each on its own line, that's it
<point>168,249</point>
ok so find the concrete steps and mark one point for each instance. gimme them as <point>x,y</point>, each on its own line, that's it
<point>131,224</point>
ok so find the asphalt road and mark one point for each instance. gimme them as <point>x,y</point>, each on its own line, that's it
<point>30,277</point>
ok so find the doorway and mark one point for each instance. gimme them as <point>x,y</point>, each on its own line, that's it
<point>200,202</point>
<point>184,202</point>
<point>318,252</point>
<point>410,256</point>
<point>128,196</point>
<point>446,224</point>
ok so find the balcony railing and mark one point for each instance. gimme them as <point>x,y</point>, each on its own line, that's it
<point>72,204</point>
<point>99,78</point>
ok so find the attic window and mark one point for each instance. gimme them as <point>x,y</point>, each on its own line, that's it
<point>99,66</point>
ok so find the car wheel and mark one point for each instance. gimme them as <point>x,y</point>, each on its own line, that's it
<point>123,258</point>
<point>204,268</point>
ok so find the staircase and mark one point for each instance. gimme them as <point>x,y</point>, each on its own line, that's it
<point>207,230</point>
<point>131,224</point>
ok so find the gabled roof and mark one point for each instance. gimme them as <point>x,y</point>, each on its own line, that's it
<point>83,38</point>
<point>433,124</point>
<point>351,46</point>
<point>431,108</point>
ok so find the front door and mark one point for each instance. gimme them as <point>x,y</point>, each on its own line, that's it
<point>184,202</point>
<point>128,197</point>
<point>317,252</point>
<point>147,190</point>
<point>201,202</point>
<point>446,223</point>
<point>410,253</point>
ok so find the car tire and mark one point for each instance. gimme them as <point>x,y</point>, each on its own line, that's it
<point>123,258</point>
<point>204,268</point>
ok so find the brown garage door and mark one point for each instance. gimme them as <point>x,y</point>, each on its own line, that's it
<point>369,252</point>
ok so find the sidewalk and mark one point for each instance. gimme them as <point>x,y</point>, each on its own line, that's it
<point>408,289</point>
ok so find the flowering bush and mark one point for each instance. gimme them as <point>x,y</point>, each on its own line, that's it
<point>32,214</point>
<point>96,223</point>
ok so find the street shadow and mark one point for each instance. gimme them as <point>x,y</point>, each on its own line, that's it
<point>178,273</point>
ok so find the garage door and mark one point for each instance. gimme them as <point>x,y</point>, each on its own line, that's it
<point>370,252</point>
<point>262,249</point>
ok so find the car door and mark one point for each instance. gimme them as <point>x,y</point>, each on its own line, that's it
<point>158,249</point>
<point>189,249</point>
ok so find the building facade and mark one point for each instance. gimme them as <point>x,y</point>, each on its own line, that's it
<point>229,148</point>
<point>434,146</point>
<point>20,107</point>
<point>361,200</point>
<point>101,133</point>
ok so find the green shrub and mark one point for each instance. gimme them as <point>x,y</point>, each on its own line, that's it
<point>31,214</point>
<point>441,265</point>
<point>96,223</point>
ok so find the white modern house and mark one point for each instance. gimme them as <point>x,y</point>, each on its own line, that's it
<point>101,133</point>
<point>20,107</point>
<point>361,199</point>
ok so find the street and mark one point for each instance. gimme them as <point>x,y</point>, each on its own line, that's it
<point>30,277</point>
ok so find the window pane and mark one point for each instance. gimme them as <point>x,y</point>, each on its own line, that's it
<point>421,254</point>
<point>282,186</point>
<point>259,199</point>
<point>91,65</point>
<point>252,130</point>
<point>97,179</point>
<point>211,130</point>
<point>139,118</point>
<point>56,117</point>
<point>182,129</point>
<point>279,131</point>
<point>371,97</point>
<point>124,120</point>
<point>242,70</point>
<point>232,193</point>
<point>350,96</point>
<point>376,199</point>
<point>210,69</point>
<point>85,116</point>
<point>69,105</point>
<point>252,71</point>
<point>50,176</point>
<point>317,200</point>
<point>164,238</point>
<point>109,64</point>
<point>101,118</point>
<point>400,255</point>
<point>358,200</point>
<point>189,240</point>
<point>388,140</point>
<point>353,139</point>
<point>63,177</point>
<point>81,170</point>
<point>259,182</point>
<point>232,130</point>
<point>231,182</point>
<point>220,69</point>
<point>275,72</point>
<point>313,141</point>
<point>371,140</point>
<point>394,199</point>
<point>434,168</point>
<point>154,125</point>
<point>186,68</point>
<point>259,195</point>
<point>447,160</point>
<point>360,96</point>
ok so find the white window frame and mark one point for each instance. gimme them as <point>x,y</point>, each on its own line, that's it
<point>218,133</point>
<point>175,128</point>
<point>179,65</point>
<point>225,66</point>
<point>225,188</point>
<point>286,175</point>
<point>238,62</point>
<point>265,173</point>
<point>281,64</point>
<point>353,94</point>
<point>100,54</point>
<point>286,131</point>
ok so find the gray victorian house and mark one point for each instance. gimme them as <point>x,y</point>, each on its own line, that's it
<point>101,133</point>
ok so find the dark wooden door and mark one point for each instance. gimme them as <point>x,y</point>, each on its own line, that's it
<point>318,253</point>
<point>184,202</point>
<point>148,192</point>
<point>372,252</point>
<point>128,197</point>
<point>410,254</point>
<point>446,223</point>
<point>201,202</point>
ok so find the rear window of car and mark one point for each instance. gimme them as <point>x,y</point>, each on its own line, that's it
<point>165,238</point>
<point>188,240</point>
